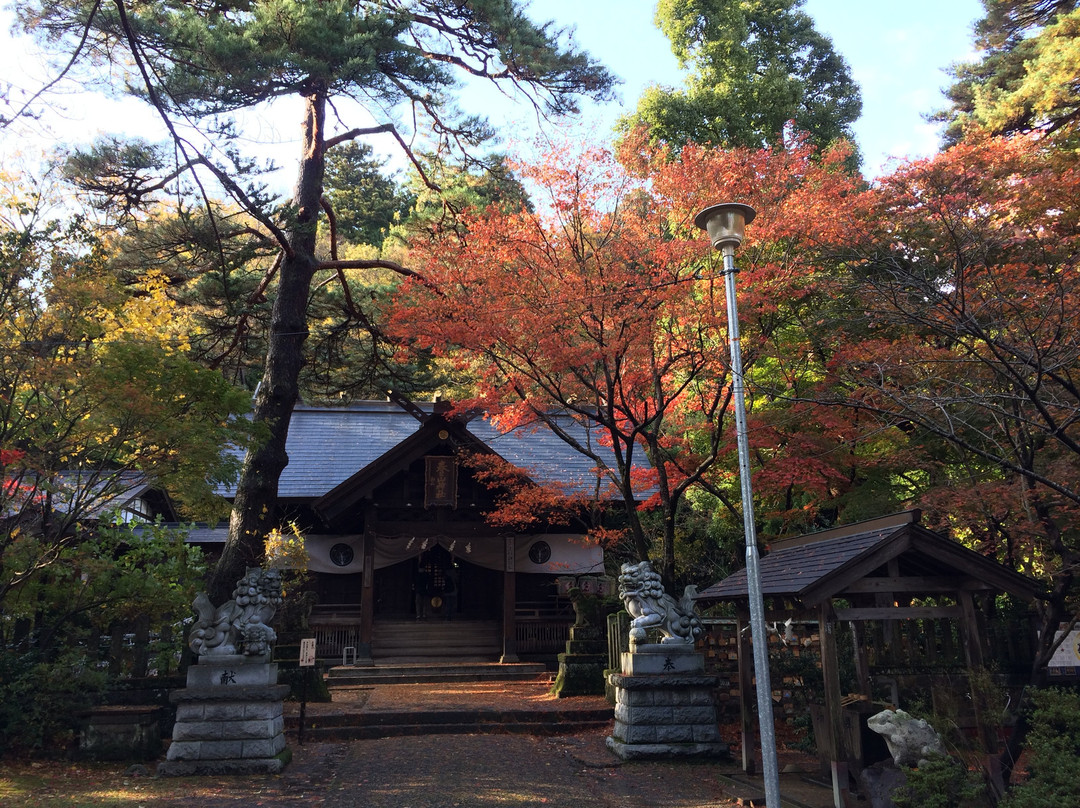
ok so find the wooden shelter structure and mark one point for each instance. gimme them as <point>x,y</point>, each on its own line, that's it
<point>905,590</point>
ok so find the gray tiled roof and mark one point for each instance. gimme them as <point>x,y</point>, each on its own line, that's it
<point>810,568</point>
<point>326,446</point>
<point>793,570</point>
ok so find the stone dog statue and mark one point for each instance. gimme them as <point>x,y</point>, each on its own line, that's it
<point>911,741</point>
<point>241,625</point>
<point>650,607</point>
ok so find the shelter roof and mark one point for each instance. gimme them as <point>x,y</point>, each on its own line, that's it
<point>812,568</point>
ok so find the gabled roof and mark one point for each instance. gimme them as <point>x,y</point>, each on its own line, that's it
<point>812,568</point>
<point>328,446</point>
<point>435,431</point>
<point>88,494</point>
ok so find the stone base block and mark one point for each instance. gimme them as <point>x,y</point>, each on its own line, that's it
<point>594,634</point>
<point>121,733</point>
<point>193,768</point>
<point>663,751</point>
<point>579,675</point>
<point>665,716</point>
<point>587,647</point>
<point>231,670</point>
<point>228,729</point>
<point>662,660</point>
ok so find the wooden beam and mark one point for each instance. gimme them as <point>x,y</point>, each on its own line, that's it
<point>898,612</point>
<point>970,631</point>
<point>862,658</point>
<point>457,530</point>
<point>914,583</point>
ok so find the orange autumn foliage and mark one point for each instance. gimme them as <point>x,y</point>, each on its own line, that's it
<point>608,303</point>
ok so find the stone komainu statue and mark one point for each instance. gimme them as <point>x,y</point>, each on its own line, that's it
<point>650,607</point>
<point>241,625</point>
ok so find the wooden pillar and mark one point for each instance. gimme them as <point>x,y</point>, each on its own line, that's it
<point>969,626</point>
<point>862,658</point>
<point>141,662</point>
<point>827,628</point>
<point>975,654</point>
<point>509,621</point>
<point>747,694</point>
<point>367,594</point>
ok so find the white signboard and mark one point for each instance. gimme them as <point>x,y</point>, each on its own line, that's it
<point>1068,653</point>
<point>307,653</point>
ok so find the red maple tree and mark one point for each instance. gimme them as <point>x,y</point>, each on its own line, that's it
<point>606,303</point>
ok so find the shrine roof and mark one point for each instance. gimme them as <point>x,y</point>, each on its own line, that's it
<point>329,445</point>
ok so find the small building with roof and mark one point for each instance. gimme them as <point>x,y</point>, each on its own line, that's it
<point>918,603</point>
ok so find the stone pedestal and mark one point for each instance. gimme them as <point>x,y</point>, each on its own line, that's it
<point>664,705</point>
<point>581,668</point>
<point>121,732</point>
<point>229,719</point>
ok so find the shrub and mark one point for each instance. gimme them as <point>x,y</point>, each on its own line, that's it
<point>1054,746</point>
<point>941,782</point>
<point>40,701</point>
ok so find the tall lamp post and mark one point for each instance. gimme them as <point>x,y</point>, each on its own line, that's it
<point>725,224</point>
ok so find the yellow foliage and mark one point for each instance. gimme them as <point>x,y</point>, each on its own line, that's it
<point>1049,86</point>
<point>286,549</point>
<point>148,313</point>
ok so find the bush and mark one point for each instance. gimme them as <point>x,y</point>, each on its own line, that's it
<point>941,782</point>
<point>40,701</point>
<point>1054,745</point>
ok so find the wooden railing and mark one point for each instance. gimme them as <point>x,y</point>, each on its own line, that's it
<point>542,636</point>
<point>331,641</point>
<point>936,645</point>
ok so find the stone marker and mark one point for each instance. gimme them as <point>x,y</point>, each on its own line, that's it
<point>229,718</point>
<point>664,704</point>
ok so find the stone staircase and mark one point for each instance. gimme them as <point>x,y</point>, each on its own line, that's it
<point>445,655</point>
<point>429,651</point>
<point>369,725</point>
<point>436,639</point>
<point>409,672</point>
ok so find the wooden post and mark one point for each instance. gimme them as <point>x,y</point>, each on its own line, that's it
<point>367,593</point>
<point>862,658</point>
<point>974,653</point>
<point>509,621</point>
<point>972,636</point>
<point>833,718</point>
<point>141,663</point>
<point>746,692</point>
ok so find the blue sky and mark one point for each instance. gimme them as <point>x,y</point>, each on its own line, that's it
<point>897,53</point>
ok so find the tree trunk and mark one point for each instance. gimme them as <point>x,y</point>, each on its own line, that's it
<point>254,511</point>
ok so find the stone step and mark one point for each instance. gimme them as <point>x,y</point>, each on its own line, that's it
<point>472,722</point>
<point>436,638</point>
<point>390,673</point>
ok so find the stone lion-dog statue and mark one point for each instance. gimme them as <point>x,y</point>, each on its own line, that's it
<point>651,608</point>
<point>241,625</point>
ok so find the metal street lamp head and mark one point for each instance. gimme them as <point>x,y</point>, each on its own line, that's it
<point>725,223</point>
